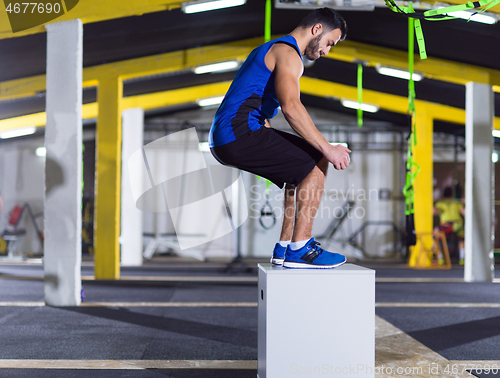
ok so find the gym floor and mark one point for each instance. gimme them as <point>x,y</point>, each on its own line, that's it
<point>178,317</point>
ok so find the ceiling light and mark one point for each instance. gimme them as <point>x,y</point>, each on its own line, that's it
<point>494,157</point>
<point>496,133</point>
<point>210,101</point>
<point>364,107</point>
<point>41,151</point>
<point>217,67</point>
<point>203,6</point>
<point>17,132</point>
<point>485,18</point>
<point>394,72</point>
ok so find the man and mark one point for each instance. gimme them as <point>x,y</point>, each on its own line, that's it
<point>241,137</point>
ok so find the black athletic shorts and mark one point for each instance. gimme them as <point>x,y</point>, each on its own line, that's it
<point>275,155</point>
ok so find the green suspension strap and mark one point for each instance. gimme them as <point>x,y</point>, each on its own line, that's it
<point>408,190</point>
<point>420,38</point>
<point>442,13</point>
<point>416,28</point>
<point>267,22</point>
<point>437,15</point>
<point>267,210</point>
<point>409,193</point>
<point>411,82</point>
<point>360,94</point>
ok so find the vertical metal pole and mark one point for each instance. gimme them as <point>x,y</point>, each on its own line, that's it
<point>479,179</point>
<point>63,165</point>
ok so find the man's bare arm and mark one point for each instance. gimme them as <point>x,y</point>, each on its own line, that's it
<point>288,69</point>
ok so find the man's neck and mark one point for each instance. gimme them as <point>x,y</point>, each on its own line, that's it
<point>301,37</point>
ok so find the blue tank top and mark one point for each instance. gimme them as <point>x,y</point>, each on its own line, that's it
<point>251,98</point>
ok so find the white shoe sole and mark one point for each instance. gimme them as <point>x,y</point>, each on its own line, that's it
<point>296,265</point>
<point>276,261</point>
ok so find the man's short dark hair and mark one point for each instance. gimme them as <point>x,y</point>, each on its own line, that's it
<point>329,18</point>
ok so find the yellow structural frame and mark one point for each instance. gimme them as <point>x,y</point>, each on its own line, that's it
<point>108,179</point>
<point>348,51</point>
<point>93,11</point>
<point>148,101</point>
<point>109,80</point>
<point>432,68</point>
<point>109,132</point>
<point>139,67</point>
<point>423,183</point>
<point>101,10</point>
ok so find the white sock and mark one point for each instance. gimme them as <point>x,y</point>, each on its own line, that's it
<point>298,244</point>
<point>284,243</point>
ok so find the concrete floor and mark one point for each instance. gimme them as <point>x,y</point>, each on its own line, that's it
<point>182,318</point>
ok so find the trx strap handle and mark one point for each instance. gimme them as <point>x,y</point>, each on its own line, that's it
<point>267,210</point>
<point>408,190</point>
<point>409,193</point>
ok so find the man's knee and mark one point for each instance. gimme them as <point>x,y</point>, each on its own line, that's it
<point>323,165</point>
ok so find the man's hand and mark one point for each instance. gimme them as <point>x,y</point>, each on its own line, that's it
<point>338,155</point>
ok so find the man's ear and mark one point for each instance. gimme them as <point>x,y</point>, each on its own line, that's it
<point>316,29</point>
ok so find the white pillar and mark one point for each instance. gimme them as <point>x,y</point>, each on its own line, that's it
<point>479,179</point>
<point>131,216</point>
<point>63,168</point>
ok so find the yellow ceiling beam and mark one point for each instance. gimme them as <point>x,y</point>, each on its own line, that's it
<point>36,119</point>
<point>433,68</point>
<point>93,11</point>
<point>25,87</point>
<point>175,96</point>
<point>31,86</point>
<point>146,101</point>
<point>140,67</point>
<point>187,59</point>
<point>311,86</point>
<point>389,102</point>
<point>174,61</point>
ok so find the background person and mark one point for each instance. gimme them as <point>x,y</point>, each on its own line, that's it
<point>451,220</point>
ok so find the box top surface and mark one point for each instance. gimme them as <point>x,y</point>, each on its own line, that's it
<point>269,268</point>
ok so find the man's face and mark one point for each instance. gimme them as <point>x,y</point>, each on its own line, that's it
<point>321,44</point>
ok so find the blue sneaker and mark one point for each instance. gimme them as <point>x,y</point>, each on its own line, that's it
<point>278,254</point>
<point>311,256</point>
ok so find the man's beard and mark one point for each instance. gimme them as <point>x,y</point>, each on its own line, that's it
<point>313,48</point>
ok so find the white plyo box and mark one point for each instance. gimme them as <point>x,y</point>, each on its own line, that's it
<point>316,322</point>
